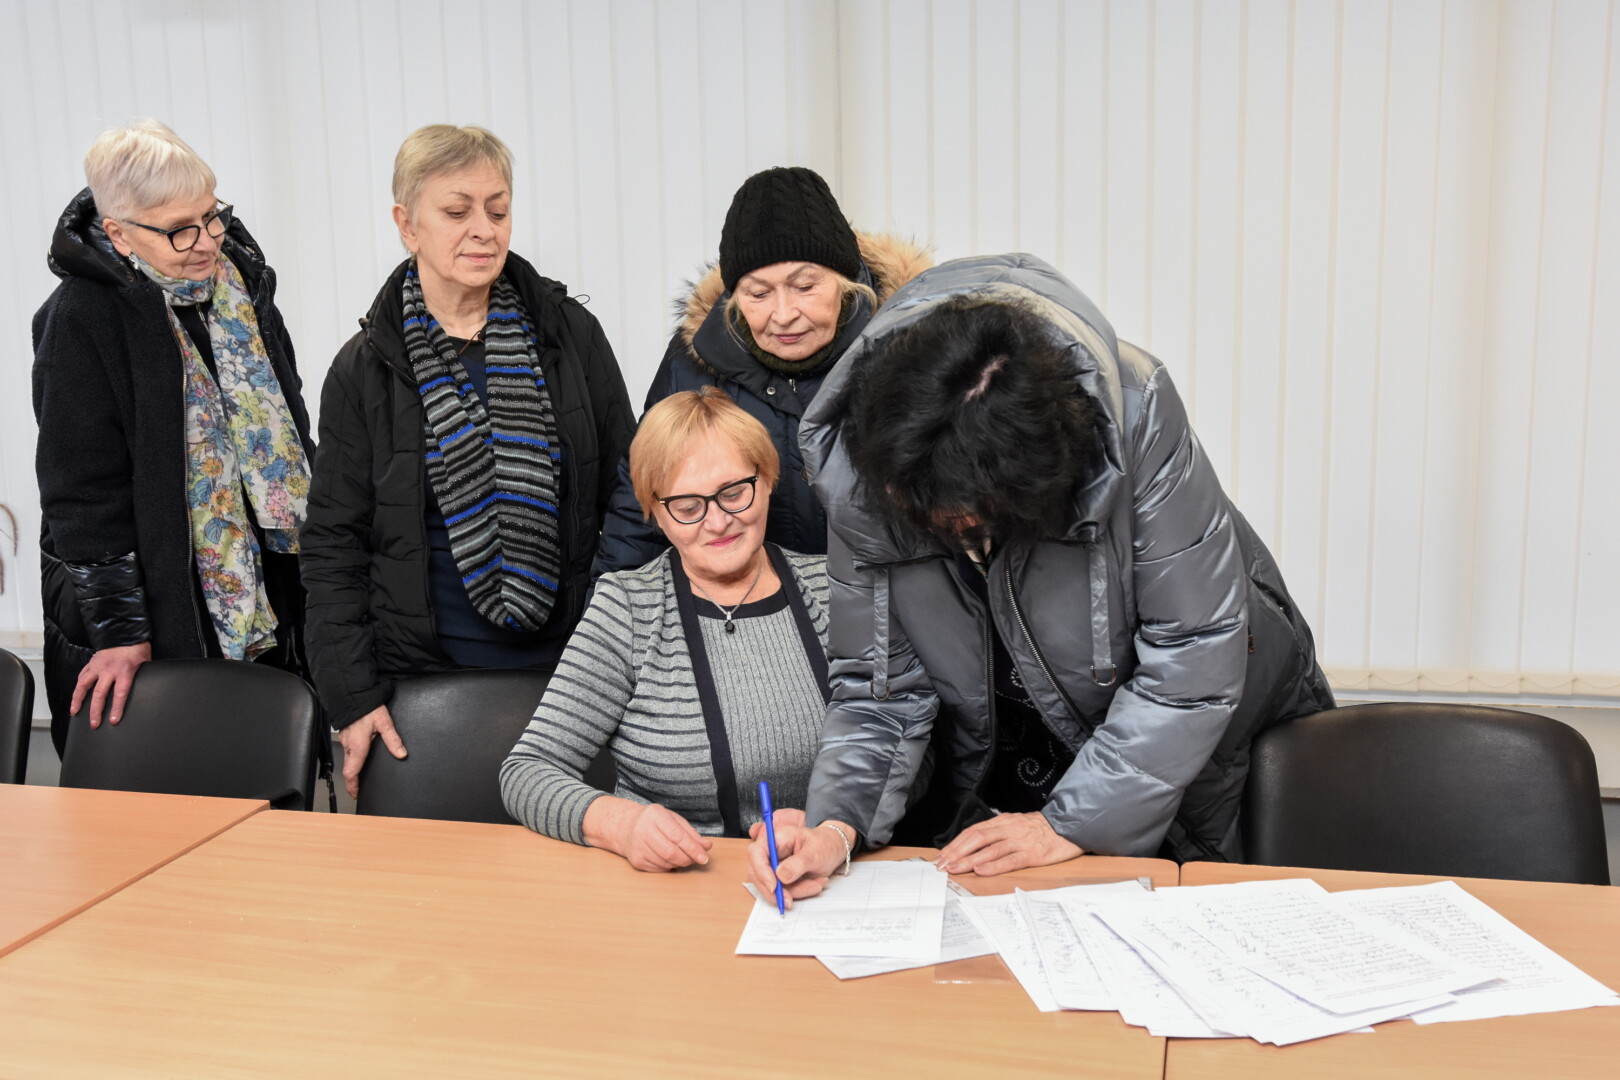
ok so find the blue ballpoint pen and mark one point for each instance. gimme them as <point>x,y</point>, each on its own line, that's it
<point>770,835</point>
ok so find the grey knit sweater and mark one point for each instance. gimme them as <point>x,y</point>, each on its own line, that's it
<point>626,680</point>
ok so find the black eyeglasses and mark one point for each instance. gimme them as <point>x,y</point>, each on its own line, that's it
<point>185,237</point>
<point>734,498</point>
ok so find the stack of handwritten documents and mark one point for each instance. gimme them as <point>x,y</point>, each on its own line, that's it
<point>1277,961</point>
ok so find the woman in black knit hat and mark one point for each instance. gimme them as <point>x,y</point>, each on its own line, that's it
<point>795,285</point>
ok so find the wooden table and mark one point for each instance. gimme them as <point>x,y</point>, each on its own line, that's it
<point>63,849</point>
<point>307,944</point>
<point>1579,922</point>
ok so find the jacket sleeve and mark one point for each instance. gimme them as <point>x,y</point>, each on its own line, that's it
<point>542,778</point>
<point>882,710</point>
<point>85,473</point>
<point>630,540</point>
<point>1126,783</point>
<point>335,558</point>
<point>610,404</point>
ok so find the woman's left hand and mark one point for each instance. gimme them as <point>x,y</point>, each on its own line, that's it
<point>1005,842</point>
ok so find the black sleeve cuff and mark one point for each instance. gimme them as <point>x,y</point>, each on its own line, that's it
<point>112,601</point>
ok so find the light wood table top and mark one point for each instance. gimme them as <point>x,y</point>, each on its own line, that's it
<point>307,944</point>
<point>1579,922</point>
<point>63,849</point>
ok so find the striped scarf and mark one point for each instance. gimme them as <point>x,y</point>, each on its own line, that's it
<point>493,470</point>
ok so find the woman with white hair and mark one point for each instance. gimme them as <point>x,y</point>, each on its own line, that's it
<point>173,448</point>
<point>469,437</point>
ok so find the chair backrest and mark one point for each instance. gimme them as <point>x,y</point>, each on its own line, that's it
<point>203,727</point>
<point>16,717</point>
<point>457,727</point>
<point>1456,790</point>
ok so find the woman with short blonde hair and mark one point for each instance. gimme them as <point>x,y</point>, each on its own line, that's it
<point>704,672</point>
<point>470,434</point>
<point>173,454</point>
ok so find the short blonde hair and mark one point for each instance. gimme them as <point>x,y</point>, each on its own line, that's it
<point>130,169</point>
<point>442,148</point>
<point>672,426</point>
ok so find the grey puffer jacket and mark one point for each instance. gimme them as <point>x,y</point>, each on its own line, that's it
<point>1155,635</point>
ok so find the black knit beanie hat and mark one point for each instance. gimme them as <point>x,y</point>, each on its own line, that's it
<point>786,215</point>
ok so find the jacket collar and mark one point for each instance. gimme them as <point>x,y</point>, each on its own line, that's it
<point>1093,356</point>
<point>385,334</point>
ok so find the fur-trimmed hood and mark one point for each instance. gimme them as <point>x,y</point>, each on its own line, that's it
<point>892,260</point>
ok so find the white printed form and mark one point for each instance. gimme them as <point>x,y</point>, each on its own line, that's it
<point>1290,933</point>
<point>893,909</point>
<point>1534,978</point>
<point>1228,996</point>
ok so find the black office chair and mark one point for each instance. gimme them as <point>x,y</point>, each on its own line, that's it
<point>16,717</point>
<point>203,727</point>
<point>457,727</point>
<point>1455,790</point>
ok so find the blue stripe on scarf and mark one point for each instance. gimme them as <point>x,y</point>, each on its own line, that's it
<point>493,564</point>
<point>508,371</point>
<point>520,572</point>
<point>524,439</point>
<point>459,433</point>
<point>506,496</point>
<point>431,383</point>
<point>471,510</point>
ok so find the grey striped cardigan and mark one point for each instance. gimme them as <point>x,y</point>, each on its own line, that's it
<point>626,681</point>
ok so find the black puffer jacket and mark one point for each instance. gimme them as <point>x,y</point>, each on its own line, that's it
<point>1155,635</point>
<point>365,558</point>
<point>109,398</point>
<point>704,352</point>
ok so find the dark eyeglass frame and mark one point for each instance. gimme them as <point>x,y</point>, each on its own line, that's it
<point>221,215</point>
<point>753,490</point>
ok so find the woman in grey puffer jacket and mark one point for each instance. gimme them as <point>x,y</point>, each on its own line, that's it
<point>1051,631</point>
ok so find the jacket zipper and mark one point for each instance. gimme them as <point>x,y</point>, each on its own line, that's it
<point>1040,657</point>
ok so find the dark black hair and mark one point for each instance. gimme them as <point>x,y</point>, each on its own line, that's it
<point>972,411</point>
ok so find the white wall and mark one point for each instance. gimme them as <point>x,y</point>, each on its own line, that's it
<point>1373,240</point>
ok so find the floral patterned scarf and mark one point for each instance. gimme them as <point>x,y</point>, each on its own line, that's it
<point>240,437</point>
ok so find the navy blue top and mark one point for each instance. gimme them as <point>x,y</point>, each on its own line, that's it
<point>470,639</point>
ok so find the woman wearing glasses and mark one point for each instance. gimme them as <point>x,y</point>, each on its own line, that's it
<point>704,671</point>
<point>173,444</point>
<point>470,433</point>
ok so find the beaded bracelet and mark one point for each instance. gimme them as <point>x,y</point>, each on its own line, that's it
<point>848,849</point>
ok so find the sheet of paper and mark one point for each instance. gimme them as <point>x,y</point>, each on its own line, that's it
<point>1001,919</point>
<point>1144,997</point>
<point>892,909</point>
<point>1227,995</point>
<point>959,940</point>
<point>1288,932</point>
<point>1071,973</point>
<point>1459,924</point>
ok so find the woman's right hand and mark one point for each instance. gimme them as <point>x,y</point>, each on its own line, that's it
<point>651,837</point>
<point>806,858</point>
<point>109,671</point>
<point>356,742</point>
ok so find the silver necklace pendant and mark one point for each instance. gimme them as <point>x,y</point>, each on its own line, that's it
<point>727,613</point>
